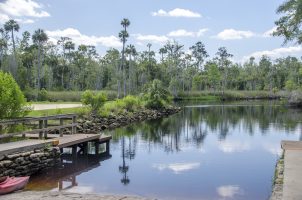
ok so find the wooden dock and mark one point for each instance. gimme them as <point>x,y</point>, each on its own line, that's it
<point>64,142</point>
<point>39,137</point>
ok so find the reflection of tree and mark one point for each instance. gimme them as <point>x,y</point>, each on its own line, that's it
<point>124,168</point>
<point>191,126</point>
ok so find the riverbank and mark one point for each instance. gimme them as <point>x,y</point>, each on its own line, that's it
<point>231,95</point>
<point>277,191</point>
<point>95,124</point>
<point>31,195</point>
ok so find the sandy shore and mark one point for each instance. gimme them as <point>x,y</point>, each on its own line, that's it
<point>29,195</point>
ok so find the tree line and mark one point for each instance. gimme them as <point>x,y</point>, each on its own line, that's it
<point>36,64</point>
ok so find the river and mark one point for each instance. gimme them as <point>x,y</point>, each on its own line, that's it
<point>207,151</point>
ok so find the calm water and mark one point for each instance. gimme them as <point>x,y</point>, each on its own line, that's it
<point>204,152</point>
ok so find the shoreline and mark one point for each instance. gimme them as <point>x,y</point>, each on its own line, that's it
<point>48,195</point>
<point>277,188</point>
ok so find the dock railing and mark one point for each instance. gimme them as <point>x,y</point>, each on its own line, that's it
<point>43,125</point>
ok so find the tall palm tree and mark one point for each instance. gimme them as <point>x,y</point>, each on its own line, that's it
<point>12,26</point>
<point>131,51</point>
<point>124,35</point>
<point>162,51</point>
<point>39,38</point>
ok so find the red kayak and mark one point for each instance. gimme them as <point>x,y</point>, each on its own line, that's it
<point>11,184</point>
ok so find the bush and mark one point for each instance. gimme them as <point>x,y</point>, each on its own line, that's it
<point>290,85</point>
<point>94,99</point>
<point>12,101</point>
<point>43,95</point>
<point>157,97</point>
<point>132,103</point>
<point>126,105</point>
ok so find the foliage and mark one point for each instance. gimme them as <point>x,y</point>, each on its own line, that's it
<point>127,104</point>
<point>289,25</point>
<point>94,99</point>
<point>43,95</point>
<point>157,97</point>
<point>12,101</point>
<point>290,85</point>
<point>64,69</point>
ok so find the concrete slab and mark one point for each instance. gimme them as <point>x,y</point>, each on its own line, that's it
<point>292,184</point>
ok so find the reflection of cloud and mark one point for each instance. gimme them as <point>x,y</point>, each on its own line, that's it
<point>228,191</point>
<point>233,146</point>
<point>177,168</point>
<point>81,189</point>
<point>273,149</point>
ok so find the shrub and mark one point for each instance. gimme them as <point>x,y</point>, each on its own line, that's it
<point>290,85</point>
<point>157,97</point>
<point>12,101</point>
<point>132,103</point>
<point>43,95</point>
<point>93,99</point>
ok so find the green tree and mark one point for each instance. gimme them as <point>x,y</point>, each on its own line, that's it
<point>123,36</point>
<point>157,97</point>
<point>12,101</point>
<point>12,26</point>
<point>94,99</point>
<point>289,25</point>
<point>39,38</point>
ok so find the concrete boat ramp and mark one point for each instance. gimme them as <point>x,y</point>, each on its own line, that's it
<point>292,182</point>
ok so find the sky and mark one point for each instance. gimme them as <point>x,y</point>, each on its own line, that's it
<point>242,26</point>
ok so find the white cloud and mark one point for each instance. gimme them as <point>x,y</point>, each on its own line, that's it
<point>177,12</point>
<point>275,53</point>
<point>25,21</point>
<point>232,34</point>
<point>269,32</point>
<point>185,33</point>
<point>274,149</point>
<point>228,191</point>
<point>233,146</point>
<point>21,8</point>
<point>177,168</point>
<point>3,18</point>
<point>79,38</point>
<point>160,39</point>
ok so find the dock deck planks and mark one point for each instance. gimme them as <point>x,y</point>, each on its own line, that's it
<point>66,141</point>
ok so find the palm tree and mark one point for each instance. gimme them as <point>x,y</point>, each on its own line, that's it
<point>131,51</point>
<point>39,38</point>
<point>62,42</point>
<point>124,35</point>
<point>12,26</point>
<point>162,51</point>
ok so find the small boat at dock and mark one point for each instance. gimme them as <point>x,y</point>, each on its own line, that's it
<point>11,184</point>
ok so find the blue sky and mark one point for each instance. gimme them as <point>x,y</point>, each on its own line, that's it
<point>240,25</point>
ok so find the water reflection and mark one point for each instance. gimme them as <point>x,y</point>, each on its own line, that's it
<point>193,125</point>
<point>204,152</point>
<point>64,176</point>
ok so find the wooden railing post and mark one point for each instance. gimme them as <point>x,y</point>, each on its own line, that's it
<point>61,130</point>
<point>45,126</point>
<point>74,128</point>
<point>40,127</point>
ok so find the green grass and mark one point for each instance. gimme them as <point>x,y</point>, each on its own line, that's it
<point>74,96</point>
<point>58,102</point>
<point>38,113</point>
<point>228,95</point>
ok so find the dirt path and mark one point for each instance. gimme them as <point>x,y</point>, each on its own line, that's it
<point>55,106</point>
<point>29,195</point>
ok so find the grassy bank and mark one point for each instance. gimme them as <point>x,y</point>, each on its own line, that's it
<point>79,111</point>
<point>63,96</point>
<point>229,95</point>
